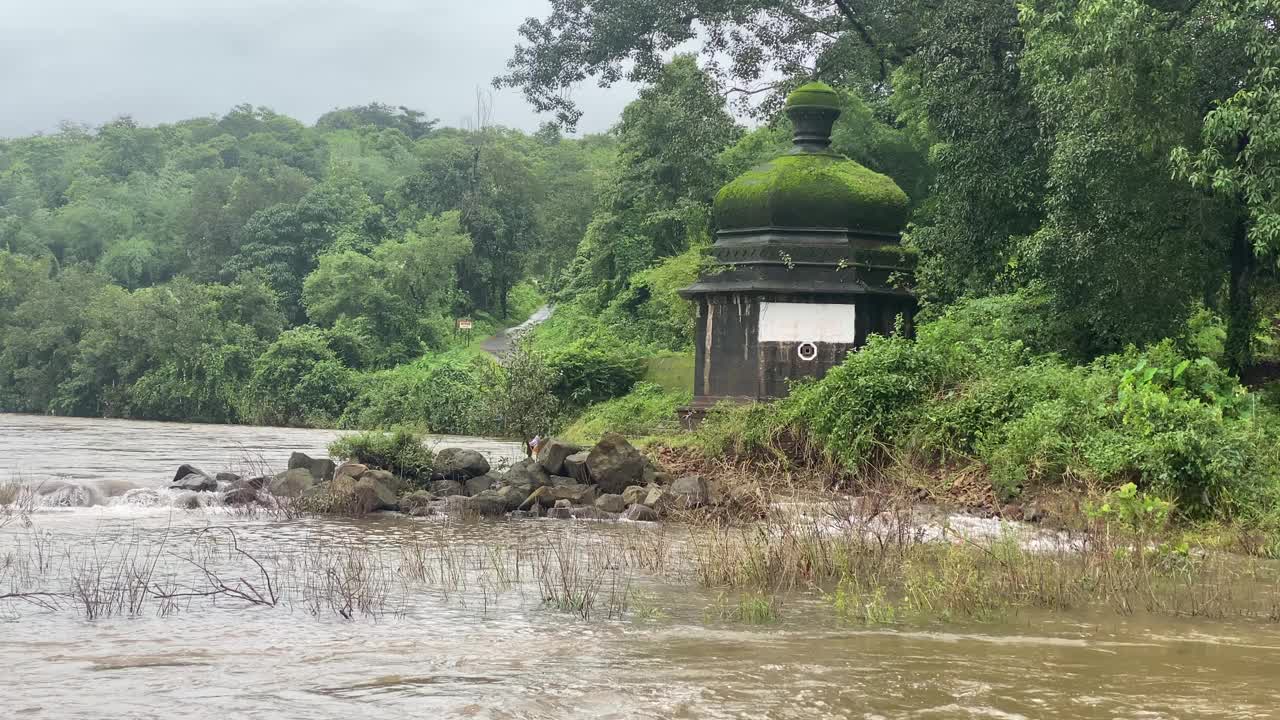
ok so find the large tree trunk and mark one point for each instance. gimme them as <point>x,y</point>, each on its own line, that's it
<point>1242,318</point>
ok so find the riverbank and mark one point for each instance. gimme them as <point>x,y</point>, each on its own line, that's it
<point>761,538</point>
<point>550,618</point>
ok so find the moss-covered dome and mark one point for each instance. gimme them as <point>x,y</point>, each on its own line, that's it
<point>814,93</point>
<point>812,187</point>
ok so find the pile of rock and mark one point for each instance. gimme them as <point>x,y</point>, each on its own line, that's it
<point>610,480</point>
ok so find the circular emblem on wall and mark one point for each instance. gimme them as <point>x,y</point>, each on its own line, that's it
<point>807,351</point>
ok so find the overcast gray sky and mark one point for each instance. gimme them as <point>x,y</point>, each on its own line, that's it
<point>88,61</point>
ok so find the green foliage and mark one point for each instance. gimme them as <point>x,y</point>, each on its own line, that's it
<point>647,410</point>
<point>300,381</point>
<point>1137,512</point>
<point>586,374</point>
<point>147,272</point>
<point>398,451</point>
<point>1179,427</point>
<point>671,370</point>
<point>453,393</point>
<point>530,398</point>
<point>523,299</point>
<point>657,202</point>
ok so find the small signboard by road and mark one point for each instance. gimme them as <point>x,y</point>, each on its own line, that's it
<point>464,323</point>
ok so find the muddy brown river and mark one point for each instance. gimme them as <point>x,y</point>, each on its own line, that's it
<point>393,617</point>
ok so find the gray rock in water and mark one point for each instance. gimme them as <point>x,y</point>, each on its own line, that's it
<point>227,478</point>
<point>591,513</point>
<point>195,482</point>
<point>184,470</point>
<point>292,483</point>
<point>552,454</point>
<point>640,513</point>
<point>409,502</point>
<point>460,463</point>
<point>560,513</point>
<point>611,503</point>
<point>387,478</point>
<point>547,496</point>
<point>351,470</point>
<point>634,495</point>
<point>321,469</point>
<point>240,496</point>
<point>513,495</point>
<point>527,472</point>
<point>376,494</point>
<point>575,466</point>
<point>614,464</point>
<point>447,488</point>
<point>690,491</point>
<point>477,485</point>
<point>486,504</point>
<point>562,503</point>
<point>656,498</point>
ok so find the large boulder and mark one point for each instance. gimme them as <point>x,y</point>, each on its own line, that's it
<point>552,454</point>
<point>320,468</point>
<point>387,478</point>
<point>184,470</point>
<point>360,496</point>
<point>242,495</point>
<point>292,483</point>
<point>460,463</point>
<point>656,498</point>
<point>227,478</point>
<point>611,503</point>
<point>195,482</point>
<point>575,466</point>
<point>376,495</point>
<point>514,496</point>
<point>690,491</point>
<point>409,502</point>
<point>477,485</point>
<point>351,470</point>
<point>614,464</point>
<point>447,488</point>
<point>487,504</point>
<point>526,472</point>
<point>634,495</point>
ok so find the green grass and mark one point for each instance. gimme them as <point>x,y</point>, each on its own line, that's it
<point>673,371</point>
<point>648,410</point>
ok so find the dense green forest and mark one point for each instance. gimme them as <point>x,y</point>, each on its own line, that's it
<point>1095,194</point>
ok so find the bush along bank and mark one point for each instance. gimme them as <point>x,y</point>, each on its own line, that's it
<point>609,480</point>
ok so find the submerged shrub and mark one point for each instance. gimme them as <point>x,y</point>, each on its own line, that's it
<point>399,451</point>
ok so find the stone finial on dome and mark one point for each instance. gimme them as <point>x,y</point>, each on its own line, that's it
<point>813,109</point>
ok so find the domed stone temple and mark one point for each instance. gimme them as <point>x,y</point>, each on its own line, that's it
<point>808,263</point>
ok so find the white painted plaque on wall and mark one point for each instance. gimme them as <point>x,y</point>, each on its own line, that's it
<point>807,322</point>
